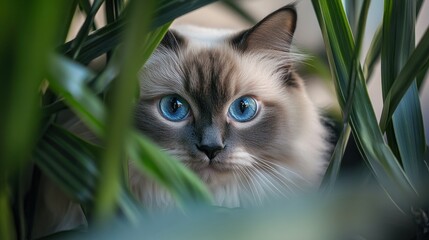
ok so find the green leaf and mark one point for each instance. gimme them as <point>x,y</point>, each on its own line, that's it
<point>409,132</point>
<point>69,161</point>
<point>109,36</point>
<point>168,10</point>
<point>138,43</point>
<point>113,9</point>
<point>100,41</point>
<point>341,54</point>
<point>6,222</point>
<point>85,6</point>
<point>421,76</point>
<point>398,44</point>
<point>333,170</point>
<point>361,26</point>
<point>84,30</point>
<point>417,64</point>
<point>73,164</point>
<point>372,55</point>
<point>375,48</point>
<point>335,162</point>
<point>69,80</point>
<point>180,182</point>
<point>29,31</point>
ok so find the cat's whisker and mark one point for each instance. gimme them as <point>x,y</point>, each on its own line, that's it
<point>289,184</point>
<point>238,173</point>
<point>293,185</point>
<point>269,182</point>
<point>277,174</point>
<point>256,174</point>
<point>273,167</point>
<point>285,169</point>
<point>255,185</point>
<point>237,178</point>
<point>251,184</point>
<point>175,152</point>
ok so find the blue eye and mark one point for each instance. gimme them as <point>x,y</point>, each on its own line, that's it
<point>243,109</point>
<point>174,108</point>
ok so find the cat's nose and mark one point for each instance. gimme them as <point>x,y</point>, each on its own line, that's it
<point>210,150</point>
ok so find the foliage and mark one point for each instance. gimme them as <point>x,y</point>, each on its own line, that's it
<point>43,76</point>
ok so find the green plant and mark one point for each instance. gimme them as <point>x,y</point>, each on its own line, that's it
<point>44,79</point>
<point>396,176</point>
<point>42,75</point>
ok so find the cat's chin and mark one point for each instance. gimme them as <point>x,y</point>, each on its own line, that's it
<point>215,175</point>
<point>210,172</point>
<point>211,167</point>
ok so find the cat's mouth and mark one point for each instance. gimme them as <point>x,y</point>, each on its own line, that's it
<point>214,166</point>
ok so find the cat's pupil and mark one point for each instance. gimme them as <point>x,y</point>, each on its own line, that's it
<point>243,105</point>
<point>175,104</point>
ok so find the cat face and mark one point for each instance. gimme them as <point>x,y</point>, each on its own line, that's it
<point>229,106</point>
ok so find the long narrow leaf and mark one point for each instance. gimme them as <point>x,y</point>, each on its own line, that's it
<point>421,76</point>
<point>86,27</point>
<point>331,175</point>
<point>72,163</point>
<point>29,31</point>
<point>361,27</point>
<point>409,132</point>
<point>398,44</point>
<point>334,165</point>
<point>6,223</point>
<point>108,37</point>
<point>418,63</point>
<point>120,109</point>
<point>397,40</point>
<point>69,79</point>
<point>181,183</point>
<point>113,9</point>
<point>85,6</point>
<point>372,55</point>
<point>375,48</point>
<point>22,65</point>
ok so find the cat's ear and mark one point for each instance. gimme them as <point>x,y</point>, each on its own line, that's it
<point>274,32</point>
<point>172,40</point>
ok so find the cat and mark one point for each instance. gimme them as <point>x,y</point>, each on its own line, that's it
<point>230,106</point>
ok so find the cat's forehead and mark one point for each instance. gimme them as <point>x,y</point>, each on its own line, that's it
<point>219,75</point>
<point>210,75</point>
